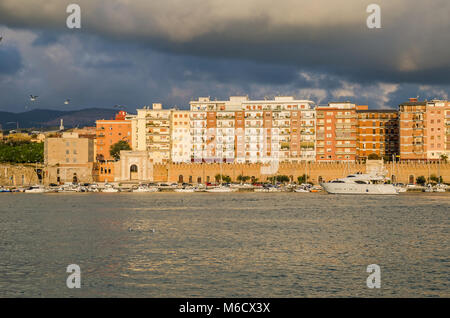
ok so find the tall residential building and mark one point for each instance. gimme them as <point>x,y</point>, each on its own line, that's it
<point>243,130</point>
<point>213,128</point>
<point>378,133</point>
<point>424,129</point>
<point>108,133</point>
<point>181,136</point>
<point>151,131</point>
<point>336,132</point>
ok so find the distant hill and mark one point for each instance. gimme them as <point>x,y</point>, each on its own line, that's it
<point>42,118</point>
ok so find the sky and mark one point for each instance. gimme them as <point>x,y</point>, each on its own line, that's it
<point>138,52</point>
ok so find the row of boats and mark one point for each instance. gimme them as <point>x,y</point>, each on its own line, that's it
<point>352,184</point>
<point>147,188</point>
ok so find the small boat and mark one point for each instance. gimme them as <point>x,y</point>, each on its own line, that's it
<point>4,190</point>
<point>142,189</point>
<point>221,189</point>
<point>429,188</point>
<point>268,189</point>
<point>185,190</point>
<point>35,189</point>
<point>109,189</point>
<point>302,190</point>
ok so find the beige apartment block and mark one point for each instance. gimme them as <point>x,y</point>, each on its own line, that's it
<point>69,158</point>
<point>151,132</point>
<point>181,136</point>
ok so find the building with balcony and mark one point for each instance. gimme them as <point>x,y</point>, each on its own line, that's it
<point>378,133</point>
<point>251,131</point>
<point>151,131</point>
<point>181,136</point>
<point>108,133</point>
<point>424,129</point>
<point>336,131</point>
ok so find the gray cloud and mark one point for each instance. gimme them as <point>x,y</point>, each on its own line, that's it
<point>10,60</point>
<point>324,35</point>
<point>135,53</point>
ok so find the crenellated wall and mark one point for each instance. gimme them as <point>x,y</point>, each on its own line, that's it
<point>24,175</point>
<point>320,170</point>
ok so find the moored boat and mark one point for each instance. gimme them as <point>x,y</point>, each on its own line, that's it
<point>359,184</point>
<point>35,189</point>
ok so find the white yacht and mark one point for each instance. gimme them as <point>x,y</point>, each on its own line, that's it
<point>359,184</point>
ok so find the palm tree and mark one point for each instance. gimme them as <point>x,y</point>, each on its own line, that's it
<point>444,157</point>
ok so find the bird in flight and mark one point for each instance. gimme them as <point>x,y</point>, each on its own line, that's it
<point>33,98</point>
<point>67,101</point>
<point>1,38</point>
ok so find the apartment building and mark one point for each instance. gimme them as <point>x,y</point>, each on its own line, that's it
<point>108,133</point>
<point>181,136</point>
<point>336,131</point>
<point>378,133</point>
<point>213,132</point>
<point>151,131</point>
<point>242,130</point>
<point>424,129</point>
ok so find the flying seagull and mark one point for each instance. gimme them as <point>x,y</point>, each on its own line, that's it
<point>33,98</point>
<point>67,101</point>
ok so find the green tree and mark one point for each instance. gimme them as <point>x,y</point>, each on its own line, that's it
<point>373,156</point>
<point>421,180</point>
<point>302,179</point>
<point>117,147</point>
<point>436,179</point>
<point>21,152</point>
<point>282,178</point>
<point>241,178</point>
<point>444,157</point>
<point>226,179</point>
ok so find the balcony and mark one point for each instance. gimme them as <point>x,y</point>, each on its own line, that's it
<point>307,145</point>
<point>345,146</point>
<point>345,152</point>
<point>345,138</point>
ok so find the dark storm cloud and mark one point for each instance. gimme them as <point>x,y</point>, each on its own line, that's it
<point>10,60</point>
<point>330,36</point>
<point>138,52</point>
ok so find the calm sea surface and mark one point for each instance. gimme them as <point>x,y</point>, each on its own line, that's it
<point>224,245</point>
